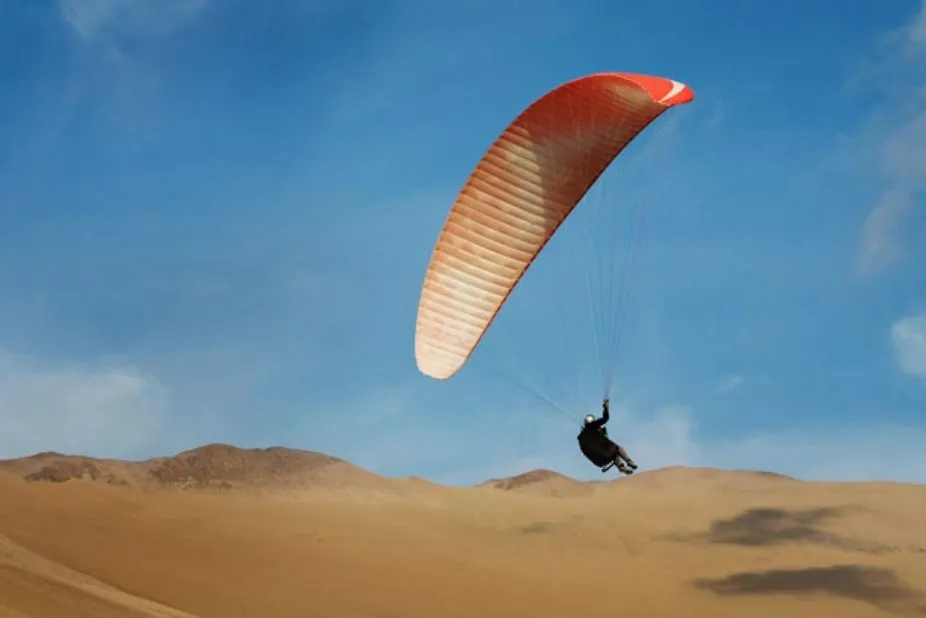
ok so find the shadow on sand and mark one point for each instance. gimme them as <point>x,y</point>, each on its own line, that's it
<point>764,527</point>
<point>768,526</point>
<point>875,586</point>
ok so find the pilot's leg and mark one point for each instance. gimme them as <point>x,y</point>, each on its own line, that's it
<point>622,454</point>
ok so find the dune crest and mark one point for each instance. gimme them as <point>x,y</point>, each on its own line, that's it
<point>42,587</point>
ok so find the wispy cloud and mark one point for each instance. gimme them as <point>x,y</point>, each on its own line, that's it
<point>670,435</point>
<point>819,452</point>
<point>113,410</point>
<point>120,66</point>
<point>93,19</point>
<point>830,452</point>
<point>912,36</point>
<point>899,139</point>
<point>731,383</point>
<point>908,337</point>
<point>880,243</point>
<point>665,436</point>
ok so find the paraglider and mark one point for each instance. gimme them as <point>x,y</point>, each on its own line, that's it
<point>520,193</point>
<point>599,448</point>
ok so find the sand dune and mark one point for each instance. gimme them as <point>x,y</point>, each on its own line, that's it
<point>223,532</point>
<point>542,483</point>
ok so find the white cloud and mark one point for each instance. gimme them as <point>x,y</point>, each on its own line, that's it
<point>908,337</point>
<point>667,438</point>
<point>113,411</point>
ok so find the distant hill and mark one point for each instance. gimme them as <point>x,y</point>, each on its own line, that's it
<point>214,466</point>
<point>225,467</point>
<point>542,482</point>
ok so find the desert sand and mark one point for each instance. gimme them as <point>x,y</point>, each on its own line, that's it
<point>224,532</point>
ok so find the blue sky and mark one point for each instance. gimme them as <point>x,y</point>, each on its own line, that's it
<point>216,218</point>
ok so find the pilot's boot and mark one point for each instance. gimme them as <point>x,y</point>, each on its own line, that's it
<point>622,454</point>
<point>624,468</point>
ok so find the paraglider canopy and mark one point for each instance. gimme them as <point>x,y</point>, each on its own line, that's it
<point>522,190</point>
